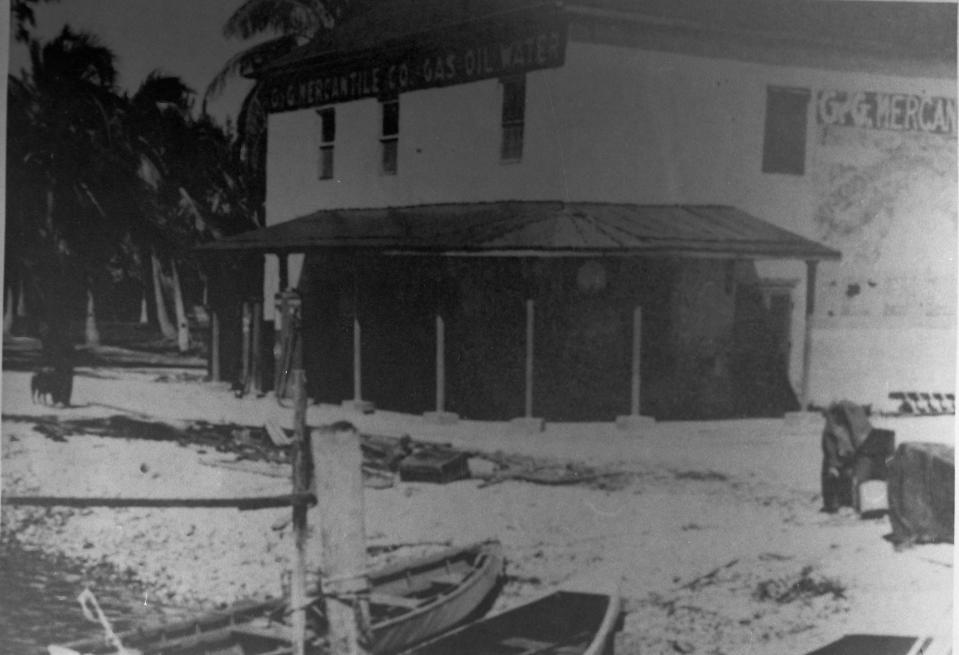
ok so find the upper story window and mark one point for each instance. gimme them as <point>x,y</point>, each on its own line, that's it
<point>327,138</point>
<point>784,144</point>
<point>389,139</point>
<point>514,117</point>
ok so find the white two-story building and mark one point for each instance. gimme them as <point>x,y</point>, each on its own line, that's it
<point>772,184</point>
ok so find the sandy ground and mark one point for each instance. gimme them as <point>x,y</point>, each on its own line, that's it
<point>715,524</point>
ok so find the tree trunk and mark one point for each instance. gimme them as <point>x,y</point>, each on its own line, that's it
<point>182,324</point>
<point>163,317</point>
<point>91,330</point>
<point>8,312</point>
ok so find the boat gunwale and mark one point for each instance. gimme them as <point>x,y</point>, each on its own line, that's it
<point>489,571</point>
<point>430,561</point>
<point>607,627</point>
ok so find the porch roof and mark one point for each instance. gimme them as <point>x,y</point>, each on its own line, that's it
<point>535,229</point>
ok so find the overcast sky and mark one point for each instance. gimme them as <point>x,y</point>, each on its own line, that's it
<point>182,37</point>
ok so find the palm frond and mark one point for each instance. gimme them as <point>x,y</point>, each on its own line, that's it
<point>302,18</point>
<point>159,88</point>
<point>249,60</point>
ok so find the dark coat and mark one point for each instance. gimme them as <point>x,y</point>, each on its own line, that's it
<point>847,427</point>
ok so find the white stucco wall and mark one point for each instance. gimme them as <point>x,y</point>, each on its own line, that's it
<point>619,124</point>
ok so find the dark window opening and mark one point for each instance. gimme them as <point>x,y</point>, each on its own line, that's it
<point>327,137</point>
<point>514,117</point>
<point>389,139</point>
<point>784,144</point>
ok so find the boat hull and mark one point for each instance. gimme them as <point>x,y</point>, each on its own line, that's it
<point>572,623</point>
<point>410,602</point>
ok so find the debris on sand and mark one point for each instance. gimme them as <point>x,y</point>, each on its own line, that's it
<point>803,586</point>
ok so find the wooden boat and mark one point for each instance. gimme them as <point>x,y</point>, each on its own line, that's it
<point>563,623</point>
<point>409,603</point>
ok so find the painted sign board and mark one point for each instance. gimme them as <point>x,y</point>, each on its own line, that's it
<point>506,45</point>
<point>903,112</point>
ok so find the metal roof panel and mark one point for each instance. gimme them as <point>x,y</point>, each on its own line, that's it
<point>546,227</point>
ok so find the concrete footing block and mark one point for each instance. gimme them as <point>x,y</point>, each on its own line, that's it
<point>359,406</point>
<point>635,422</point>
<point>441,418</point>
<point>528,424</point>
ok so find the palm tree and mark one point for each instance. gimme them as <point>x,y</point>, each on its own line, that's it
<point>67,151</point>
<point>197,189</point>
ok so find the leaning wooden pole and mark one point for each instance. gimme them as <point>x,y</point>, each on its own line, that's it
<point>302,470</point>
<point>338,479</point>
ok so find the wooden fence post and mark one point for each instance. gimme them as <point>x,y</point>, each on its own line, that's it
<point>302,481</point>
<point>338,479</point>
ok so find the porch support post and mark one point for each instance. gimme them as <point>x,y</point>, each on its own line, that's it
<point>804,397</point>
<point>637,345</point>
<point>281,258</point>
<point>357,403</point>
<point>530,331</point>
<point>528,423</point>
<point>635,421</point>
<point>256,350</point>
<point>245,350</point>
<point>215,374</point>
<point>440,363</point>
<point>441,415</point>
<point>357,359</point>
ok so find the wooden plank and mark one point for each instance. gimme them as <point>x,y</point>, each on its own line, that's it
<point>277,435</point>
<point>242,503</point>
<point>277,634</point>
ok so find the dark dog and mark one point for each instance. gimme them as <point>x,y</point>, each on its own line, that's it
<point>52,386</point>
<point>43,385</point>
